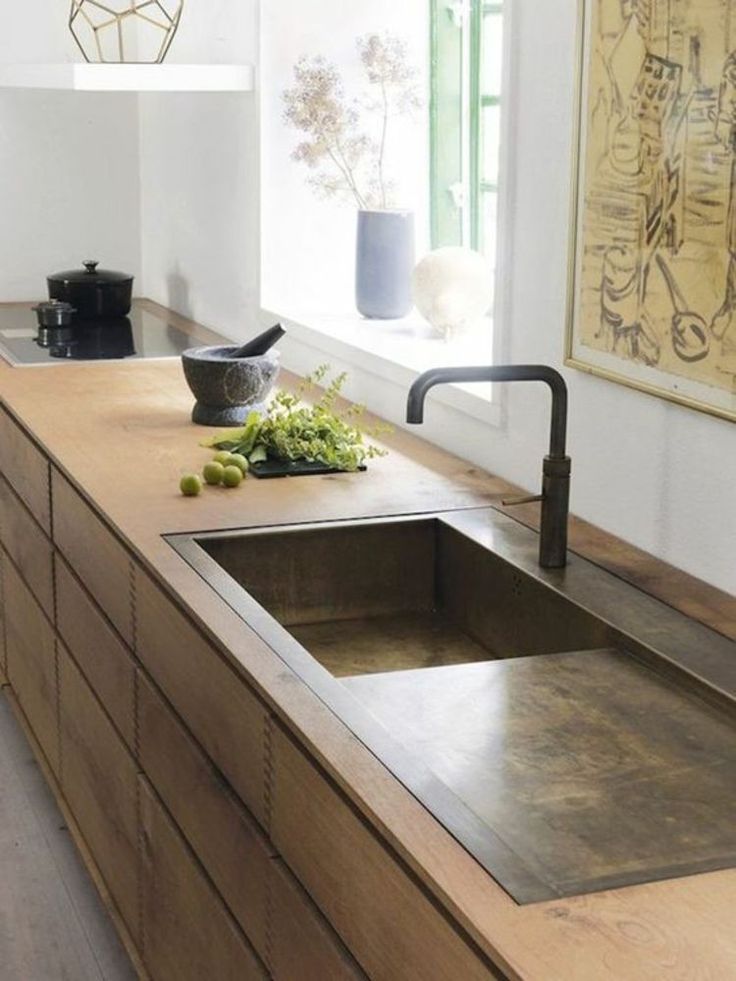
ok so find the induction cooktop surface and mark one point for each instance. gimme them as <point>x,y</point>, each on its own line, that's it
<point>143,334</point>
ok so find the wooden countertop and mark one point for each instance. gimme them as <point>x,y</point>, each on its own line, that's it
<point>121,432</point>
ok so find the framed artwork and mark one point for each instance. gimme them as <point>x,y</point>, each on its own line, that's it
<point>653,264</point>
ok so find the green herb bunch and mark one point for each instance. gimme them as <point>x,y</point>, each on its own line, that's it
<point>292,430</point>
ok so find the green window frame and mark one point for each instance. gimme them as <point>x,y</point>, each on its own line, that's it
<point>465,121</point>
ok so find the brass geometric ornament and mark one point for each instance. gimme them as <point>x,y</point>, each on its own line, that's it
<point>120,31</point>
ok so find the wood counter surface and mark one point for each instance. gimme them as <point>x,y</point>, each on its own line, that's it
<point>121,433</point>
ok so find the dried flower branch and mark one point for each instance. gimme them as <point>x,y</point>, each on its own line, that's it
<point>316,106</point>
<point>346,159</point>
<point>384,59</point>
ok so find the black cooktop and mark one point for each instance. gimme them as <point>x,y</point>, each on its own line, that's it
<point>143,334</point>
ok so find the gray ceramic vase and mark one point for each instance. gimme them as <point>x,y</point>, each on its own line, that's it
<point>384,263</point>
<point>227,389</point>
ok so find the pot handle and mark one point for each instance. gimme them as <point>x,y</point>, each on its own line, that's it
<point>91,265</point>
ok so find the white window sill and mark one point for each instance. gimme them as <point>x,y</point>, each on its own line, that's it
<point>396,351</point>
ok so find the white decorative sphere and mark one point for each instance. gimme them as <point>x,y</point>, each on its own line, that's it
<point>453,288</point>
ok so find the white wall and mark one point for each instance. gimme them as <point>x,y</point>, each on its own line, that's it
<point>69,184</point>
<point>200,182</point>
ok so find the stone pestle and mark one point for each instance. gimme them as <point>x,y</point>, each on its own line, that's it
<point>259,345</point>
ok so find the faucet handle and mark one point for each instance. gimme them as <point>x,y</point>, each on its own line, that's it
<point>510,502</point>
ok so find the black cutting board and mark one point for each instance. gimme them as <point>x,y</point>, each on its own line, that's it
<point>292,468</point>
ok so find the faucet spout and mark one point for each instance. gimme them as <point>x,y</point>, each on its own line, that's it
<point>497,373</point>
<point>556,467</point>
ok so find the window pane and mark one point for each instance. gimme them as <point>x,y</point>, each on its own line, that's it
<point>491,143</point>
<point>492,57</point>
<point>474,50</point>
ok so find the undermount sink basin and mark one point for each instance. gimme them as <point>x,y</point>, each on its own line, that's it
<point>571,732</point>
<point>393,595</point>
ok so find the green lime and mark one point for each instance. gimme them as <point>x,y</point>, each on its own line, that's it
<point>237,460</point>
<point>232,476</point>
<point>213,472</point>
<point>222,457</point>
<point>190,485</point>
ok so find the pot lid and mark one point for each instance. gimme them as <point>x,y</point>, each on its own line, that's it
<point>89,275</point>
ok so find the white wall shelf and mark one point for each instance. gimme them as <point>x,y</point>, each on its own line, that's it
<point>84,77</point>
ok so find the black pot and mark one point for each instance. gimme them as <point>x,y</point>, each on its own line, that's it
<point>54,314</point>
<point>95,293</point>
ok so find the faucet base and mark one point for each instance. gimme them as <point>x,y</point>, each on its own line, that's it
<point>555,504</point>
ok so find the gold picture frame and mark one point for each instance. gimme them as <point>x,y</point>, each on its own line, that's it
<point>652,269</point>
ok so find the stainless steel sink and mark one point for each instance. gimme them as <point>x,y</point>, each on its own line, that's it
<point>468,670</point>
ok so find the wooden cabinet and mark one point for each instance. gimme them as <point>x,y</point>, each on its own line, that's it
<point>392,928</point>
<point>99,782</point>
<point>27,545</point>
<point>303,946</point>
<point>175,771</point>
<point>95,554</point>
<point>224,838</point>
<point>31,662</point>
<point>98,650</point>
<point>220,711</point>
<point>3,662</point>
<point>26,468</point>
<point>188,933</point>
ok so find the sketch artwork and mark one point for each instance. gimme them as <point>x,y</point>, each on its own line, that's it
<point>654,300</point>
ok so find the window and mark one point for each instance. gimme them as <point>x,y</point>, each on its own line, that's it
<point>467,42</point>
<point>307,243</point>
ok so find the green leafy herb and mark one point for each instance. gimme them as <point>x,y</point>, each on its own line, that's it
<point>292,430</point>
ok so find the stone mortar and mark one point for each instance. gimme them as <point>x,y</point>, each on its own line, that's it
<point>227,389</point>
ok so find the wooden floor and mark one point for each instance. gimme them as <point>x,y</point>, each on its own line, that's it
<point>53,926</point>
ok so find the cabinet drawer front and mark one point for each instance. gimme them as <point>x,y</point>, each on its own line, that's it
<point>99,783</point>
<point>100,653</point>
<point>31,662</point>
<point>28,546</point>
<point>93,552</point>
<point>188,933</point>
<point>225,840</point>
<point>222,714</point>
<point>3,660</point>
<point>390,926</point>
<point>303,945</point>
<point>26,469</point>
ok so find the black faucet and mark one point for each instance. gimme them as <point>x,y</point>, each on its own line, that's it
<point>555,496</point>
